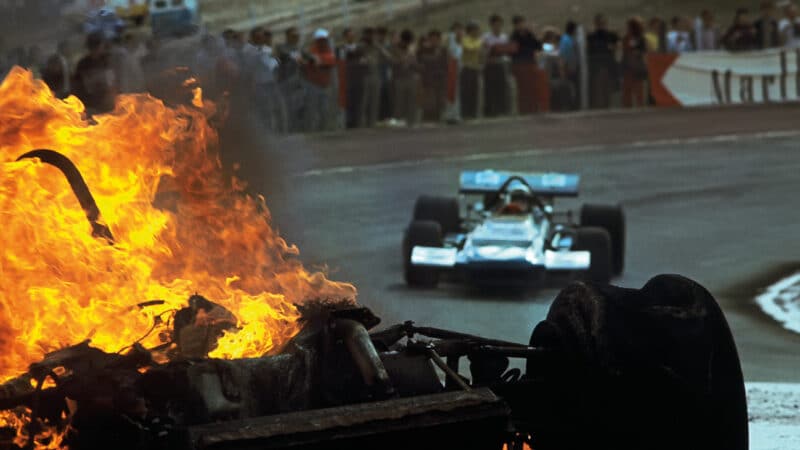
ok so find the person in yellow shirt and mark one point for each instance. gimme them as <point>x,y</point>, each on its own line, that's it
<point>471,68</point>
<point>655,37</point>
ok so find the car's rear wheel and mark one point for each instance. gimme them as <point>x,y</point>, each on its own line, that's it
<point>425,233</point>
<point>597,242</point>
<point>443,210</point>
<point>612,219</point>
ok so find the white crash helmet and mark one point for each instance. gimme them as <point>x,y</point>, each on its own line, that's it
<point>518,192</point>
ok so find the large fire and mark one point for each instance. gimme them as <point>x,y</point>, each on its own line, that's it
<point>59,285</point>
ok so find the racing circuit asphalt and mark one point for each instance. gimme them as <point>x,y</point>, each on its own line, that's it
<point>709,194</point>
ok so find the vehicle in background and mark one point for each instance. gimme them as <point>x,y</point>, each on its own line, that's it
<point>132,11</point>
<point>165,17</point>
<point>173,17</point>
<point>509,233</point>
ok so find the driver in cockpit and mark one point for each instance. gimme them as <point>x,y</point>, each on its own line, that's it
<point>518,200</point>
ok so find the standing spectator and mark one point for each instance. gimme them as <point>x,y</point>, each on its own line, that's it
<point>601,48</point>
<point>432,57</point>
<point>706,33</point>
<point>405,72</point>
<point>290,56</point>
<point>238,53</point>
<point>225,65</point>
<point>205,65</point>
<point>383,40</point>
<point>741,35</point>
<point>634,68</point>
<point>263,69</point>
<point>495,73</point>
<point>349,54</point>
<point>455,52</point>
<point>126,57</point>
<point>561,91</point>
<point>228,38</point>
<point>56,72</point>
<point>93,81</point>
<point>767,33</point>
<point>790,27</point>
<point>372,56</point>
<point>470,79</point>
<point>679,38</point>
<point>568,51</point>
<point>523,64</point>
<point>319,73</point>
<point>348,44</point>
<point>656,35</point>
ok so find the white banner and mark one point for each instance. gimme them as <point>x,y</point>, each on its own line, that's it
<point>708,78</point>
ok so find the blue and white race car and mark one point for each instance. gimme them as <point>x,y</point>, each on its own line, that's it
<point>502,229</point>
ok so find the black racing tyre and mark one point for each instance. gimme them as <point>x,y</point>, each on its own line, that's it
<point>653,368</point>
<point>598,242</point>
<point>442,210</point>
<point>612,219</point>
<point>425,233</point>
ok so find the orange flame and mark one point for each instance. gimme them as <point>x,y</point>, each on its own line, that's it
<point>60,286</point>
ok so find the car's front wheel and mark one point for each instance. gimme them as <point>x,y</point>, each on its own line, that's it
<point>611,219</point>
<point>597,242</point>
<point>442,210</point>
<point>424,233</point>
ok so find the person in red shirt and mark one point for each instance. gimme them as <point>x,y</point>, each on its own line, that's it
<point>319,62</point>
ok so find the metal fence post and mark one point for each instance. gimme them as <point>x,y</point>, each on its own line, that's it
<point>302,22</point>
<point>346,12</point>
<point>388,7</point>
<point>251,13</point>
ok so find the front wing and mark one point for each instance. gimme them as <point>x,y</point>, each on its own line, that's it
<point>551,260</point>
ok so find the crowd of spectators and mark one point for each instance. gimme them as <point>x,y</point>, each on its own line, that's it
<point>377,76</point>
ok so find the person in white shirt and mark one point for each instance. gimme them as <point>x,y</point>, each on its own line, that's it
<point>452,112</point>
<point>57,71</point>
<point>495,73</point>
<point>706,32</point>
<point>679,39</point>
<point>263,66</point>
<point>789,27</point>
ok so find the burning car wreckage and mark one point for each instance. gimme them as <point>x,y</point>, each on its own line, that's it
<point>654,367</point>
<point>649,368</point>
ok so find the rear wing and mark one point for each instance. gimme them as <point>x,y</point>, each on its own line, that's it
<point>490,181</point>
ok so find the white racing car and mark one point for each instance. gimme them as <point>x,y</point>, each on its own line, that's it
<point>502,229</point>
